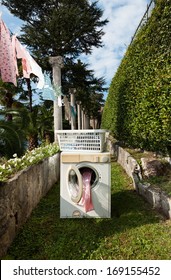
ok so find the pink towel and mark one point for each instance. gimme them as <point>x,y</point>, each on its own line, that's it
<point>86,199</point>
<point>7,59</point>
<point>28,63</point>
<point>22,53</point>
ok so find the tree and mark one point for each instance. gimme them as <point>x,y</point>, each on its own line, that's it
<point>8,97</point>
<point>88,88</point>
<point>45,119</point>
<point>64,28</point>
<point>11,138</point>
<point>59,27</point>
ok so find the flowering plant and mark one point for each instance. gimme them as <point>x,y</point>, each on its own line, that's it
<point>15,164</point>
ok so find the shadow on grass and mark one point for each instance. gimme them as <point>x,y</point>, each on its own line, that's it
<point>46,236</point>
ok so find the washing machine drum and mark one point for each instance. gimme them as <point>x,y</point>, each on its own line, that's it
<point>75,184</point>
<point>75,181</point>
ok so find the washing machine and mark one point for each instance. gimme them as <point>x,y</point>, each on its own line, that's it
<point>85,185</point>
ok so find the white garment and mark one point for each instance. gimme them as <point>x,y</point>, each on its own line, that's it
<point>36,70</point>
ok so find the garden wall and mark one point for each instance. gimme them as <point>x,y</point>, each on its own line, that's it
<point>128,163</point>
<point>157,198</point>
<point>20,195</point>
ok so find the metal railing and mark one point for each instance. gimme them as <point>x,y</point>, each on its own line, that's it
<point>145,18</point>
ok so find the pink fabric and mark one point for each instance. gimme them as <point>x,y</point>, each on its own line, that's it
<point>22,53</point>
<point>14,54</point>
<point>10,50</point>
<point>7,59</point>
<point>29,64</point>
<point>86,199</point>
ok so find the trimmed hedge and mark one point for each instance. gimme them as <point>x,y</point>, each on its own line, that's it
<point>138,107</point>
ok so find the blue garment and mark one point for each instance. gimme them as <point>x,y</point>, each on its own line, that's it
<point>48,92</point>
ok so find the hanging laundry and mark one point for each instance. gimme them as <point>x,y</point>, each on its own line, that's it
<point>7,59</point>
<point>14,55</point>
<point>29,65</point>
<point>48,91</point>
<point>21,52</point>
<point>67,108</point>
<point>37,71</point>
<point>73,111</point>
<point>58,94</point>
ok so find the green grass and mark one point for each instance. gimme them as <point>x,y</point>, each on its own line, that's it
<point>161,182</point>
<point>135,231</point>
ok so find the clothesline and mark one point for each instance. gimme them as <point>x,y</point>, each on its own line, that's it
<point>11,50</point>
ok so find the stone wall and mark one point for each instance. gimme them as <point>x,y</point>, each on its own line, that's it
<point>130,165</point>
<point>20,195</point>
<point>155,196</point>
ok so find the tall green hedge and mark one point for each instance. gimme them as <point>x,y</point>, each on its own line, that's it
<point>138,107</point>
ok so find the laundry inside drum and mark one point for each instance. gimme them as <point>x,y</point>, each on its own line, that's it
<point>91,175</point>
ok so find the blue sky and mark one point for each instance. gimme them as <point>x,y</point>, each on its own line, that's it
<point>124,17</point>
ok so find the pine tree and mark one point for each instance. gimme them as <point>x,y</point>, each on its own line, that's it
<point>64,27</point>
<point>67,28</point>
<point>89,90</point>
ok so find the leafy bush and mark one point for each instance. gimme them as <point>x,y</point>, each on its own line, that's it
<point>11,166</point>
<point>138,106</point>
<point>11,139</point>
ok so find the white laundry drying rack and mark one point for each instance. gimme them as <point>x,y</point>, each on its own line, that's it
<point>90,140</point>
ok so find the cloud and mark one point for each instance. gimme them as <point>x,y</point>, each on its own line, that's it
<point>124,17</point>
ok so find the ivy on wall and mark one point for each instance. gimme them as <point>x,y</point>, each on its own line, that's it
<point>138,107</point>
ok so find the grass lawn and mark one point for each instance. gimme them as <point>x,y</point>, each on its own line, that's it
<point>135,231</point>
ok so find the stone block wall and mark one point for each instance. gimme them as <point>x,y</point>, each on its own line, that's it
<point>130,165</point>
<point>155,196</point>
<point>21,194</point>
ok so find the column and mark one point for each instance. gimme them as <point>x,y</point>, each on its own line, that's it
<point>79,114</point>
<point>73,108</point>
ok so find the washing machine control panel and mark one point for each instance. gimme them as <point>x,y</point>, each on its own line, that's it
<point>100,157</point>
<point>85,157</point>
<point>105,159</point>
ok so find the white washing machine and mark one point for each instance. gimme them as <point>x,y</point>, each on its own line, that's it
<point>85,185</point>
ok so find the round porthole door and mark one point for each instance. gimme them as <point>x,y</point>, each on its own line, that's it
<point>75,184</point>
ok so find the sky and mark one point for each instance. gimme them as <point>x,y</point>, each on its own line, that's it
<point>123,16</point>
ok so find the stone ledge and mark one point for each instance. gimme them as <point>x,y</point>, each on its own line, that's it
<point>155,196</point>
<point>21,194</point>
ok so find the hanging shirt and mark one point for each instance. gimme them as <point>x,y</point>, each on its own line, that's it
<point>7,60</point>
<point>37,71</point>
<point>67,108</point>
<point>29,65</point>
<point>14,55</point>
<point>48,91</point>
<point>21,52</point>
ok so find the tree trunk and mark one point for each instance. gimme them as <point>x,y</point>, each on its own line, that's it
<point>32,142</point>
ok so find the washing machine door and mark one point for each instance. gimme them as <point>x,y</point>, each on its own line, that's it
<point>75,184</point>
